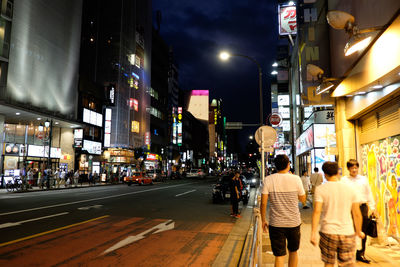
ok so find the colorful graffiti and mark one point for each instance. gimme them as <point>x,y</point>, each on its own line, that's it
<point>381,164</point>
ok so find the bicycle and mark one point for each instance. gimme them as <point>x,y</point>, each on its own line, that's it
<point>14,185</point>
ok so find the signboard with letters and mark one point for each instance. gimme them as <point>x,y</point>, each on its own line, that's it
<point>287,19</point>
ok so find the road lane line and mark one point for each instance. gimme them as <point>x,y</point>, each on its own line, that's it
<point>51,231</point>
<point>5,225</point>
<point>185,193</point>
<point>92,199</point>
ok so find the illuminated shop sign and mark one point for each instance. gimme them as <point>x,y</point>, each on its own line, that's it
<point>283,100</point>
<point>112,94</point>
<point>151,157</point>
<point>287,20</point>
<point>147,138</point>
<point>92,147</point>
<point>135,75</point>
<point>135,127</point>
<point>107,128</point>
<point>78,137</point>
<point>285,112</point>
<point>43,151</point>
<point>324,133</point>
<point>179,126</point>
<point>134,103</point>
<point>305,141</point>
<point>11,149</point>
<point>92,117</point>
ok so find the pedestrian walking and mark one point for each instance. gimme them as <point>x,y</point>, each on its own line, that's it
<point>367,203</point>
<point>235,194</point>
<point>283,191</point>
<point>39,179</point>
<point>305,180</point>
<point>338,203</point>
<point>30,177</point>
<point>316,179</point>
<point>76,178</point>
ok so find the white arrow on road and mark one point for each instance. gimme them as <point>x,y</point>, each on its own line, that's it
<point>5,225</point>
<point>165,226</point>
<point>91,207</point>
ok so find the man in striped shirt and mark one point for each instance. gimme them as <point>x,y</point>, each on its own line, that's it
<point>283,190</point>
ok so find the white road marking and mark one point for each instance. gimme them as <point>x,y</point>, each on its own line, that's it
<point>165,226</point>
<point>185,193</point>
<point>5,225</point>
<point>92,199</point>
<point>90,207</point>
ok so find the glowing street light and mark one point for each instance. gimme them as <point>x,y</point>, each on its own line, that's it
<point>225,56</point>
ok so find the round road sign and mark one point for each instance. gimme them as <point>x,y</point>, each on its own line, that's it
<point>275,119</point>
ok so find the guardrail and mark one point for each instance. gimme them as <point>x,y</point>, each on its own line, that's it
<point>256,244</point>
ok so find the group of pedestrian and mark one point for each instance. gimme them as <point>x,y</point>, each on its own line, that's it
<point>341,208</point>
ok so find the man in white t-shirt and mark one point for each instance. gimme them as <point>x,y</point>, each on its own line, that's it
<point>337,203</point>
<point>316,179</point>
<point>283,190</point>
<point>367,203</point>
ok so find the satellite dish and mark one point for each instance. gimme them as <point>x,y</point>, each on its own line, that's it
<point>340,20</point>
<point>314,71</point>
<point>269,136</point>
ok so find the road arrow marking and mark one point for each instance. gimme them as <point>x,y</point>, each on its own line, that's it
<point>185,193</point>
<point>11,224</point>
<point>165,226</point>
<point>90,207</point>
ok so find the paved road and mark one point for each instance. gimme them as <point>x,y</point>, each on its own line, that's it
<point>168,224</point>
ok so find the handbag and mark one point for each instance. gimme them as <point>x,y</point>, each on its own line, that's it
<point>372,229</point>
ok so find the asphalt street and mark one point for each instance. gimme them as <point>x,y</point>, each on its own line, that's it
<point>166,224</point>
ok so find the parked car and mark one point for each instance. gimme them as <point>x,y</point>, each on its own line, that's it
<point>195,173</point>
<point>221,190</point>
<point>139,178</point>
<point>251,179</point>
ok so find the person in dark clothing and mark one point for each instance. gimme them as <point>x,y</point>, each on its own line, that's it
<point>235,194</point>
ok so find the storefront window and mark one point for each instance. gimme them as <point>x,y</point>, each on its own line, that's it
<point>381,164</point>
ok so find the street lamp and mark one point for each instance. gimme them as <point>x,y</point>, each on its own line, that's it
<point>226,55</point>
<point>49,124</point>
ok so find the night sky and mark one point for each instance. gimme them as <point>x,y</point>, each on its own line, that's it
<point>199,30</point>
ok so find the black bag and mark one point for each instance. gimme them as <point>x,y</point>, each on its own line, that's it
<point>372,229</point>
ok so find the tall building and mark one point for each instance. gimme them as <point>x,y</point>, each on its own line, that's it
<point>39,65</point>
<point>116,56</point>
<point>159,109</point>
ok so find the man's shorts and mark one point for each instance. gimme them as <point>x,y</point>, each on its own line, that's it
<point>278,236</point>
<point>343,245</point>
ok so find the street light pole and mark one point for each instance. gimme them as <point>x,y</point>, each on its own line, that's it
<point>225,56</point>
<point>47,125</point>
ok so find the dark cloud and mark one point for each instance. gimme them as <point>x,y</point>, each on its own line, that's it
<point>199,30</point>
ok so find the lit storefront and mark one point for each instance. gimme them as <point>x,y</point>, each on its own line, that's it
<point>118,160</point>
<point>368,109</point>
<point>26,147</point>
<point>317,143</point>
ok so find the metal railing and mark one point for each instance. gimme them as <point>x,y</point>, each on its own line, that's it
<point>256,244</point>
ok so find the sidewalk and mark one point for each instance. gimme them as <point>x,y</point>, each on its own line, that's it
<point>62,187</point>
<point>311,256</point>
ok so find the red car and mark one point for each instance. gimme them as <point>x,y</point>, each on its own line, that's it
<point>139,178</point>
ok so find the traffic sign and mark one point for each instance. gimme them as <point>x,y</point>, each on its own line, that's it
<point>275,119</point>
<point>268,133</point>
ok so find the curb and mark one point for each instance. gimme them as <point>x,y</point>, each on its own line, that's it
<point>235,244</point>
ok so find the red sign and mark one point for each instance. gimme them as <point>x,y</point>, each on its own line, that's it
<point>151,157</point>
<point>275,119</point>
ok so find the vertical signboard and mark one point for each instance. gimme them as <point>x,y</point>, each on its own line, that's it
<point>287,20</point>
<point>179,126</point>
<point>107,128</point>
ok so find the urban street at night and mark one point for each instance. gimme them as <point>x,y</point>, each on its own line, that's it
<point>200,133</point>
